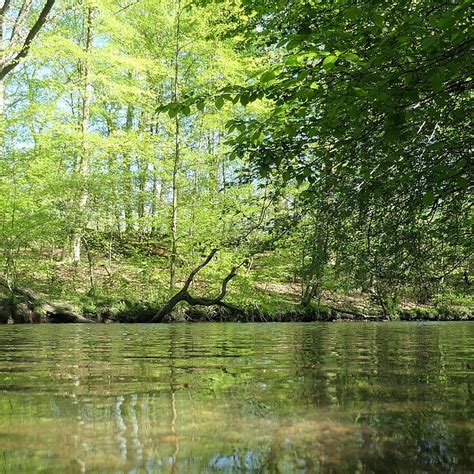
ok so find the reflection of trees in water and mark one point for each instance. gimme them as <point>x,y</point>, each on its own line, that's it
<point>397,386</point>
<point>340,397</point>
<point>174,411</point>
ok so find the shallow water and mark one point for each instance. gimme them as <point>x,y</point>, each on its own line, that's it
<point>338,397</point>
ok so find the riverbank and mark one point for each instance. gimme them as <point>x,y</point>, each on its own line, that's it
<point>125,292</point>
<point>34,308</point>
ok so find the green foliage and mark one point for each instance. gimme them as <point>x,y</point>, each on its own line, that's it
<point>323,146</point>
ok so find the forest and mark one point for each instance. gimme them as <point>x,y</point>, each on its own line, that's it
<point>235,160</point>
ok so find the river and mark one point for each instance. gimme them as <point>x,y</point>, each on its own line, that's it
<point>309,397</point>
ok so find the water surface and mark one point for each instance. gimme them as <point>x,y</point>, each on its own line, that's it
<point>339,397</point>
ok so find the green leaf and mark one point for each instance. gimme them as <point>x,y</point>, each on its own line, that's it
<point>428,42</point>
<point>293,44</point>
<point>292,61</point>
<point>267,76</point>
<point>447,22</point>
<point>257,137</point>
<point>219,103</point>
<point>378,19</point>
<point>230,125</point>
<point>303,75</point>
<point>173,109</point>
<point>352,57</point>
<point>437,83</point>
<point>463,182</point>
<point>244,99</point>
<point>428,199</point>
<point>351,13</point>
<point>360,91</point>
<point>329,62</point>
<point>392,134</point>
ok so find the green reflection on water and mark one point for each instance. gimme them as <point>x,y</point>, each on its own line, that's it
<point>237,397</point>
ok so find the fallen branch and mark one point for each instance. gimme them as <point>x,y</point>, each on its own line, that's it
<point>184,295</point>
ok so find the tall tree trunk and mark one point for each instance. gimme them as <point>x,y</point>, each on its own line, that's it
<point>142,165</point>
<point>154,201</point>
<point>128,176</point>
<point>82,167</point>
<point>176,161</point>
<point>2,102</point>
<point>112,165</point>
<point>2,59</point>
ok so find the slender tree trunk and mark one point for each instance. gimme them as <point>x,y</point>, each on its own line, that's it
<point>193,203</point>
<point>82,168</point>
<point>174,209</point>
<point>2,60</point>
<point>154,201</point>
<point>176,161</point>
<point>174,411</point>
<point>143,179</point>
<point>141,200</point>
<point>2,101</point>
<point>112,166</point>
<point>128,176</point>
<point>164,191</point>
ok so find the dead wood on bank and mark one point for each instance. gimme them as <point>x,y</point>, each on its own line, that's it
<point>24,306</point>
<point>184,295</point>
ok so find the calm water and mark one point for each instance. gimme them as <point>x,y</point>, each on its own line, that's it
<point>237,398</point>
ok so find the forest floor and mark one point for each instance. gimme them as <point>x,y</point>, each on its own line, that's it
<point>123,291</point>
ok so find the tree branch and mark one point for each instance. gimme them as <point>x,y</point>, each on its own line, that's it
<point>5,69</point>
<point>199,268</point>
<point>183,294</point>
<point>20,22</point>
<point>4,9</point>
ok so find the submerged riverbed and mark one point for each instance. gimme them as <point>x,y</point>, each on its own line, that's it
<point>237,397</point>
